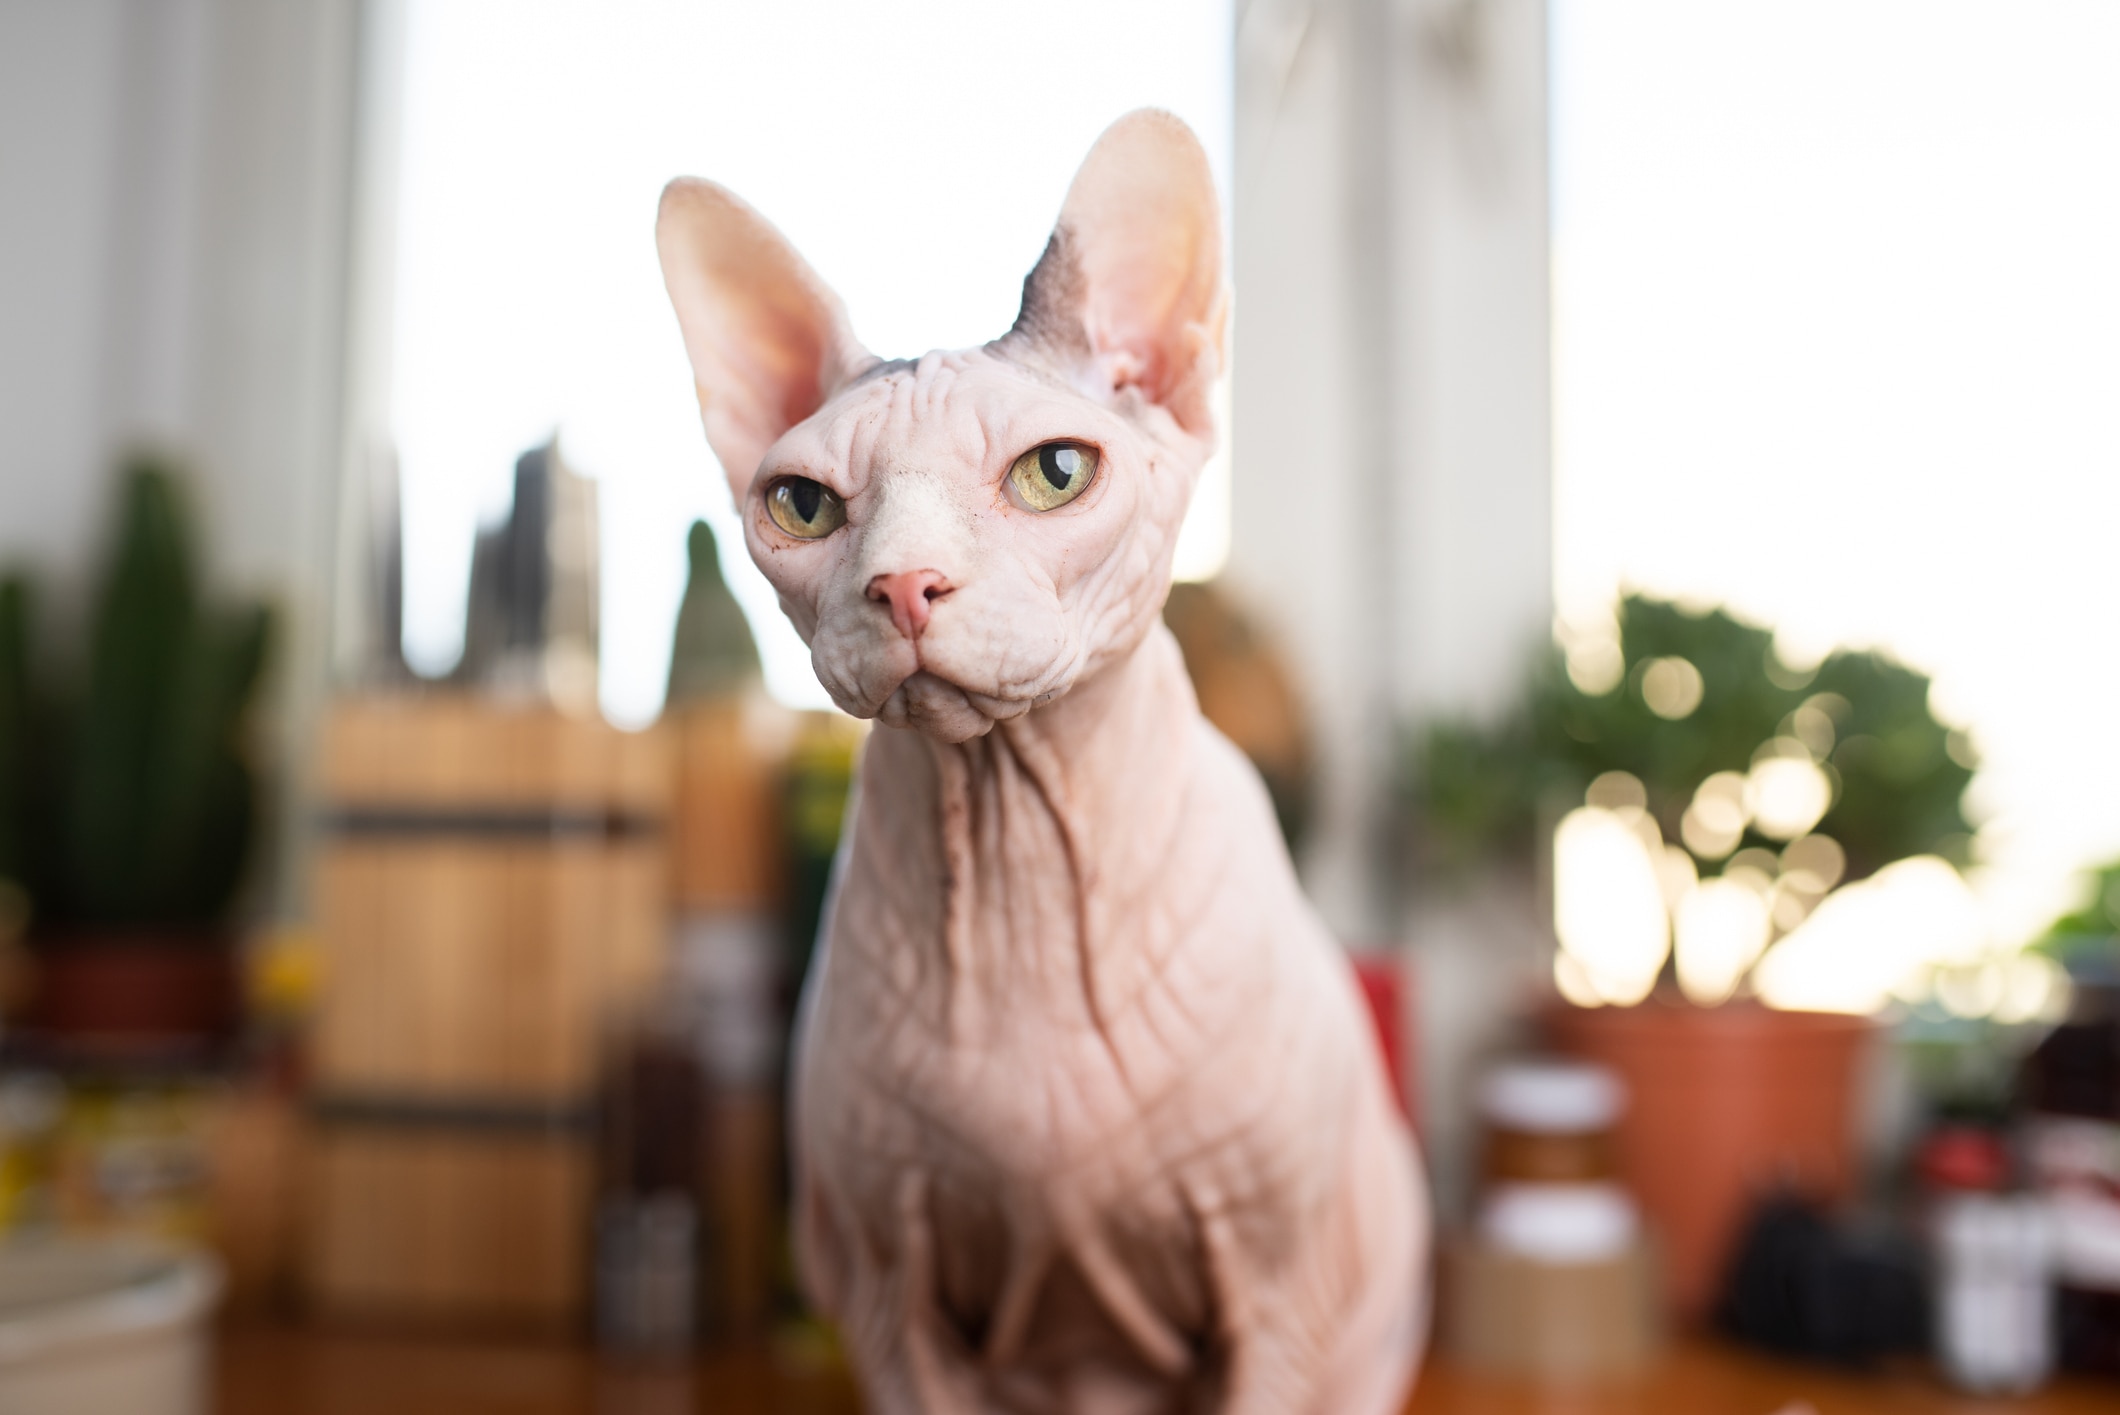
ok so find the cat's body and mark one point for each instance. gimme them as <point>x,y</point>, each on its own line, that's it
<point>1088,1116</point>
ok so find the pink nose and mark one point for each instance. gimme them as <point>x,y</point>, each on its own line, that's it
<point>909,593</point>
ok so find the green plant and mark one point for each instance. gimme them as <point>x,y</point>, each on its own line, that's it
<point>126,799</point>
<point>1478,791</point>
<point>2093,930</point>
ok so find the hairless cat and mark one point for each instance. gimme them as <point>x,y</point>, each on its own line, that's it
<point>1087,1113</point>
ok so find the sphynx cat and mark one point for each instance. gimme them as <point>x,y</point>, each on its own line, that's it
<point>1088,1114</point>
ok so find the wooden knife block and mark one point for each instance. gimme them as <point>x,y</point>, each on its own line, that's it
<point>492,890</point>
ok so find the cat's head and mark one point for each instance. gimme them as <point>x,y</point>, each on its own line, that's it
<point>965,536</point>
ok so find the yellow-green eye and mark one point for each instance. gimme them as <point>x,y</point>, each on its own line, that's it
<point>1054,474</point>
<point>805,509</point>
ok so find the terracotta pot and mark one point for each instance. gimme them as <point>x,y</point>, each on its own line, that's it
<point>136,987</point>
<point>1724,1104</point>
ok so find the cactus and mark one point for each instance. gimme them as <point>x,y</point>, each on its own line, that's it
<point>713,654</point>
<point>15,712</point>
<point>134,778</point>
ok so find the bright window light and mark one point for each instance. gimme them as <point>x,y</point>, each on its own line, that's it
<point>1837,343</point>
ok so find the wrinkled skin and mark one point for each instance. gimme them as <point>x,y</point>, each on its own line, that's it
<point>1088,1114</point>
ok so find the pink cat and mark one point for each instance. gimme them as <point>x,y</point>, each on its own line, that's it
<point>1088,1113</point>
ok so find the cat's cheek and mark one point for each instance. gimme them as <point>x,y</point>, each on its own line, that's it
<point>845,696</point>
<point>802,614</point>
<point>859,683</point>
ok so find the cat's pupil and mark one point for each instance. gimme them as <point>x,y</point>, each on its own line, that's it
<point>1059,465</point>
<point>806,494</point>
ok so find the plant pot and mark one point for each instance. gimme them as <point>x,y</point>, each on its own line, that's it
<point>1725,1104</point>
<point>136,988</point>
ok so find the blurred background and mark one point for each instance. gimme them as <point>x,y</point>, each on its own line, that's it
<point>1660,559</point>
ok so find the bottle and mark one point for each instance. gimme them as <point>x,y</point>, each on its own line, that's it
<point>1551,1191</point>
<point>2069,1091</point>
<point>647,1219</point>
<point>1994,1296</point>
<point>1555,1279</point>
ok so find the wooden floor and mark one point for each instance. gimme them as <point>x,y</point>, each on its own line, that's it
<point>288,1370</point>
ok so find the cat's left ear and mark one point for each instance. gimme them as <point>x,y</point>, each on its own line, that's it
<point>1129,291</point>
<point>767,340</point>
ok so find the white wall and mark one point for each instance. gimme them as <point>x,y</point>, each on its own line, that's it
<point>1392,465</point>
<point>1392,435</point>
<point>1300,430</point>
<point>174,193</point>
<point>58,126</point>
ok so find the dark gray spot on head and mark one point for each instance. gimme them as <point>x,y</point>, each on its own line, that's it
<point>883,368</point>
<point>1052,299</point>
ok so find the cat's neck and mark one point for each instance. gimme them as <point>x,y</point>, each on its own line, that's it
<point>1046,843</point>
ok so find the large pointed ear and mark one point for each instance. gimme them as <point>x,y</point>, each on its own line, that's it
<point>768,342</point>
<point>1130,286</point>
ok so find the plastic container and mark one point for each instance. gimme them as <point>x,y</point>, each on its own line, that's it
<point>97,1327</point>
<point>2070,1089</point>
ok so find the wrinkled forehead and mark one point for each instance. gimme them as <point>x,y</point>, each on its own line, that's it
<point>971,407</point>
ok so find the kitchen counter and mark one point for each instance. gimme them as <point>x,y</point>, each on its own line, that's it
<point>288,1369</point>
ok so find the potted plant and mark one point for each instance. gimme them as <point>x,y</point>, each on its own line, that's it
<point>128,803</point>
<point>1706,801</point>
<point>2090,934</point>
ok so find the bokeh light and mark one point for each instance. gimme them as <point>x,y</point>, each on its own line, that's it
<point>1785,792</point>
<point>1608,903</point>
<point>1716,819</point>
<point>1596,665</point>
<point>1722,927</point>
<point>1772,924</point>
<point>1813,864</point>
<point>1672,687</point>
<point>1617,791</point>
<point>1869,940</point>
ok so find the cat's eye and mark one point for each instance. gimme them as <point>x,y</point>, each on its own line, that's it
<point>805,509</point>
<point>1054,474</point>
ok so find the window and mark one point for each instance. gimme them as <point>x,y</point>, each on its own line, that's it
<point>1837,343</point>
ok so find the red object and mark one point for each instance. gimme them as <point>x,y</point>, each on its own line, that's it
<point>1725,1105</point>
<point>1963,1157</point>
<point>1383,980</point>
<point>137,988</point>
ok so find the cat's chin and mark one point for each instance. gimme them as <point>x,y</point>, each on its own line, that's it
<point>939,709</point>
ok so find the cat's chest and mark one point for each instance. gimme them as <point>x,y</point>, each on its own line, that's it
<point>1042,1121</point>
<point>1026,975</point>
<point>1075,1039</point>
<point>1006,929</point>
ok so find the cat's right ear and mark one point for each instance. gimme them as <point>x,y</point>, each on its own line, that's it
<point>1129,292</point>
<point>769,343</point>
